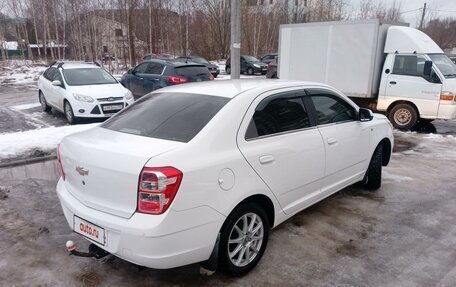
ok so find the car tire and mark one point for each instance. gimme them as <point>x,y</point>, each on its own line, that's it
<point>69,115</point>
<point>237,239</point>
<point>249,71</point>
<point>44,106</point>
<point>228,70</point>
<point>215,76</point>
<point>403,116</point>
<point>373,178</point>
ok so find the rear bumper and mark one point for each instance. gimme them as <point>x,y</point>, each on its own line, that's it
<point>157,241</point>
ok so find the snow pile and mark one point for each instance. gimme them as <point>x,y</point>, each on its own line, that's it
<point>46,139</point>
<point>15,73</point>
<point>220,64</point>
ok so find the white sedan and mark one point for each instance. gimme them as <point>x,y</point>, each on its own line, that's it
<point>202,172</point>
<point>81,90</point>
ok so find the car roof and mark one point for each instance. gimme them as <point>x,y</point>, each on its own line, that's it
<point>232,88</point>
<point>172,63</point>
<point>75,65</point>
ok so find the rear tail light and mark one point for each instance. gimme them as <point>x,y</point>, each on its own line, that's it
<point>446,96</point>
<point>157,188</point>
<point>211,77</point>
<point>177,80</point>
<point>60,162</point>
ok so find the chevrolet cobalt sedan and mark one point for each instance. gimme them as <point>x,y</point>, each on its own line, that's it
<point>202,172</point>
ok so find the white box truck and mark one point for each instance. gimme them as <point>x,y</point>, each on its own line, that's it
<point>386,66</point>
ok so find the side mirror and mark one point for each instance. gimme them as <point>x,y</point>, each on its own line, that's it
<point>56,83</point>
<point>365,115</point>
<point>427,68</point>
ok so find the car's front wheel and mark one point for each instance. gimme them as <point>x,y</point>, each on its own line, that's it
<point>373,178</point>
<point>250,71</point>
<point>44,106</point>
<point>69,115</point>
<point>228,70</point>
<point>243,239</point>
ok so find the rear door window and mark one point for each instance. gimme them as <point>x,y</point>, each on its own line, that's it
<point>154,68</point>
<point>277,114</point>
<point>169,116</point>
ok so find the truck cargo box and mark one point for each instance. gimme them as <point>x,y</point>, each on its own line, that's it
<point>346,55</point>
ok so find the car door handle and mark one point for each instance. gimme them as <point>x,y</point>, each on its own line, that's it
<point>140,78</point>
<point>393,83</point>
<point>265,159</point>
<point>331,141</point>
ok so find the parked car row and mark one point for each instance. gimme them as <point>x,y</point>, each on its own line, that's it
<point>85,90</point>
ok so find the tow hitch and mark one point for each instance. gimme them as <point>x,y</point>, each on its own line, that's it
<point>94,251</point>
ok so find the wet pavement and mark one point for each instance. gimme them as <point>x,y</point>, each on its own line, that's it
<point>20,110</point>
<point>401,235</point>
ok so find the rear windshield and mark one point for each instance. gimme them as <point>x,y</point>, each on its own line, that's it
<point>88,76</point>
<point>189,71</point>
<point>169,116</point>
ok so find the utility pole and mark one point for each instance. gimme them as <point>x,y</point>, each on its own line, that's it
<point>422,16</point>
<point>235,39</point>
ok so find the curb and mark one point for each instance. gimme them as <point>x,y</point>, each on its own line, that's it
<point>27,161</point>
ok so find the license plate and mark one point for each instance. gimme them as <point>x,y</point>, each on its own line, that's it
<point>112,107</point>
<point>89,230</point>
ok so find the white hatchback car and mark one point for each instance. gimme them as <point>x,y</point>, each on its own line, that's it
<point>81,90</point>
<point>201,172</point>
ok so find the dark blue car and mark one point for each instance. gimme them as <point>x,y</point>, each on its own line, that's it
<point>151,75</point>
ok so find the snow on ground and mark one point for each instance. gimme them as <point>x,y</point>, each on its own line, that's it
<point>20,72</point>
<point>45,139</point>
<point>25,106</point>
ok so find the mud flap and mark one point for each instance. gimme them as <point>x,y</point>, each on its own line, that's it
<point>209,266</point>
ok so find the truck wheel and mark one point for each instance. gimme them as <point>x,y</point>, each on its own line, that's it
<point>373,178</point>
<point>243,239</point>
<point>403,116</point>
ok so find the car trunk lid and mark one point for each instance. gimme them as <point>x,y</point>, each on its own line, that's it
<point>102,167</point>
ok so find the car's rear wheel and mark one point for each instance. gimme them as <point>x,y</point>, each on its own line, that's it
<point>373,177</point>
<point>44,106</point>
<point>69,115</point>
<point>243,239</point>
<point>228,70</point>
<point>403,116</point>
<point>250,71</point>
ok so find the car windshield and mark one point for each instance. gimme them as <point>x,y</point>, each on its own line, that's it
<point>445,65</point>
<point>169,116</point>
<point>88,76</point>
<point>250,59</point>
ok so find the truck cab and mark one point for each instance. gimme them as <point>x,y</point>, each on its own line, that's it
<point>418,81</point>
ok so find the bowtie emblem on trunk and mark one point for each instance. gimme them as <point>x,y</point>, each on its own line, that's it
<point>82,171</point>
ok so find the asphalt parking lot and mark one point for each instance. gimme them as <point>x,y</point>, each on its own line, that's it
<point>400,235</point>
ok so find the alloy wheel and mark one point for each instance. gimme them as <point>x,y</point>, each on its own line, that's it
<point>246,239</point>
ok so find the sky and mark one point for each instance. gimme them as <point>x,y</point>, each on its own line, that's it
<point>436,9</point>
